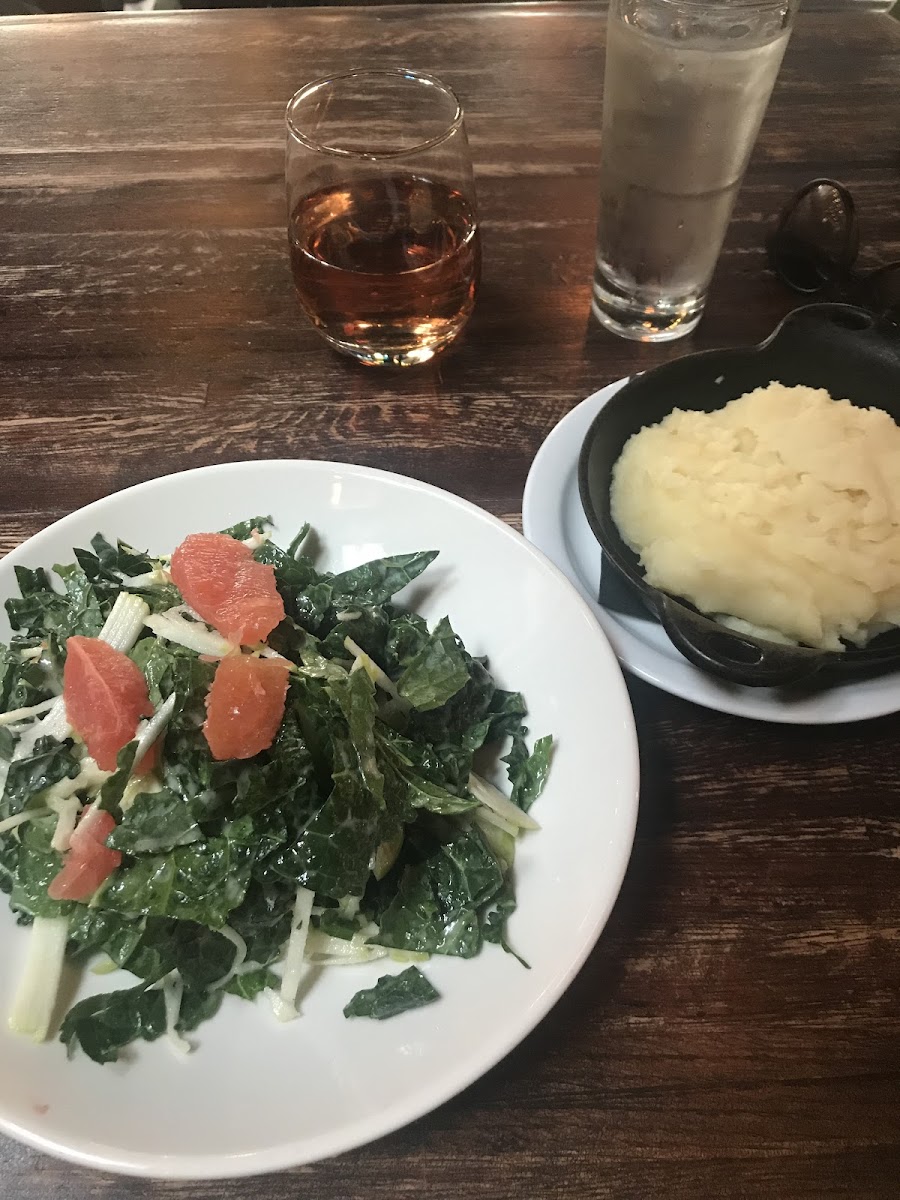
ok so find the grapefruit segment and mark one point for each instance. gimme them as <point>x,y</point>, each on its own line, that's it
<point>245,705</point>
<point>221,581</point>
<point>88,861</point>
<point>105,695</point>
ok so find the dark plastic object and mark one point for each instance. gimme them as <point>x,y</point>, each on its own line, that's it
<point>815,245</point>
<point>835,346</point>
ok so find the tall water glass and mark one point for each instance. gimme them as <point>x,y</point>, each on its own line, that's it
<point>687,85</point>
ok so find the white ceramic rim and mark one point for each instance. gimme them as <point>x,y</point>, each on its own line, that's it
<point>449,1084</point>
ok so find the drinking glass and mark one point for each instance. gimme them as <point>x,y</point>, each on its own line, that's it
<point>382,226</point>
<point>686,88</point>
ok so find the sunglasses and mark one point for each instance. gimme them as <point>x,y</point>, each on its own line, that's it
<point>814,247</point>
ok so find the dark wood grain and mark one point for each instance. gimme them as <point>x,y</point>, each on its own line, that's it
<point>735,1034</point>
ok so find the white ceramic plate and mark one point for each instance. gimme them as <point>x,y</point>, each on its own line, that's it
<point>255,1095</point>
<point>553,519</point>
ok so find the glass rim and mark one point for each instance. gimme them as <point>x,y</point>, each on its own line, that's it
<point>725,6</point>
<point>312,143</point>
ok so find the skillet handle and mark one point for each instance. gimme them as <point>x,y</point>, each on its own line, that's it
<point>735,657</point>
<point>827,328</point>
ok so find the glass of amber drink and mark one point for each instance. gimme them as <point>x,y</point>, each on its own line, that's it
<point>382,226</point>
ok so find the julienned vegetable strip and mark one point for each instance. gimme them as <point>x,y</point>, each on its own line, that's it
<point>173,992</point>
<point>22,714</point>
<point>309,800</point>
<point>240,955</point>
<point>285,1003</point>
<point>372,669</point>
<point>66,819</point>
<point>33,814</point>
<point>35,999</point>
<point>53,725</point>
<point>485,814</point>
<point>492,798</point>
<point>123,625</point>
<point>153,729</point>
<point>323,950</point>
<point>173,626</point>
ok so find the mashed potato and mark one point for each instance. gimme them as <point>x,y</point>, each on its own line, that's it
<point>781,510</point>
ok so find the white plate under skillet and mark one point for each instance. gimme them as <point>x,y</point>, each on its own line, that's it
<point>553,519</point>
<point>256,1095</point>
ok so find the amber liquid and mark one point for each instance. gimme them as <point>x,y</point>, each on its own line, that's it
<point>386,267</point>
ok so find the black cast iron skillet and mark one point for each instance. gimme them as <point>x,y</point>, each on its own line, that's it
<point>834,346</point>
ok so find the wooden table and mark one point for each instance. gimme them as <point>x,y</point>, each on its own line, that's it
<point>736,1031</point>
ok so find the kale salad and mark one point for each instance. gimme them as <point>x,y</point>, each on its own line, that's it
<point>224,767</point>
